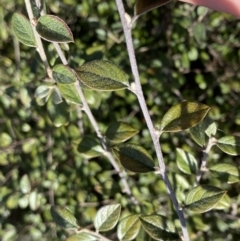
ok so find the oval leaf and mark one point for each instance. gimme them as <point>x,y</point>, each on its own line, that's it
<point>159,227</point>
<point>25,184</point>
<point>90,147</point>
<point>128,228</point>
<point>82,236</point>
<point>22,29</point>
<point>119,132</point>
<point>54,29</point>
<point>63,217</point>
<point>186,162</point>
<point>183,116</point>
<point>69,92</point>
<point>107,217</point>
<point>134,158</point>
<point>229,145</point>
<point>203,198</point>
<point>63,74</point>
<point>143,6</point>
<point>102,75</point>
<point>225,172</point>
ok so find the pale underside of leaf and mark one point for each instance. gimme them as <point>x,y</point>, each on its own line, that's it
<point>229,145</point>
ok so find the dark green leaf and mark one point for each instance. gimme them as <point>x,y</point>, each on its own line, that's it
<point>90,147</point>
<point>22,28</point>
<point>107,217</point>
<point>183,116</point>
<point>134,158</point>
<point>119,132</point>
<point>63,74</point>
<point>54,29</point>
<point>225,172</point>
<point>128,228</point>
<point>203,198</point>
<point>63,217</point>
<point>102,75</point>
<point>159,227</point>
<point>143,6</point>
<point>186,162</point>
<point>229,145</point>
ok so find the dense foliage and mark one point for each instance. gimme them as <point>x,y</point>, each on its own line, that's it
<point>184,53</point>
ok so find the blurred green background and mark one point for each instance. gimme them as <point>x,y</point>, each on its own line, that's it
<point>184,52</point>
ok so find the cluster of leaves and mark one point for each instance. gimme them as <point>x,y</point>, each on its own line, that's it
<point>47,160</point>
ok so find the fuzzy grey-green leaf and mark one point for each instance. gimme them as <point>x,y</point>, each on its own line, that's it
<point>203,198</point>
<point>63,74</point>
<point>159,227</point>
<point>118,132</point>
<point>63,217</point>
<point>128,228</point>
<point>102,75</point>
<point>69,92</point>
<point>54,29</point>
<point>229,145</point>
<point>22,29</point>
<point>134,158</point>
<point>107,217</point>
<point>183,116</point>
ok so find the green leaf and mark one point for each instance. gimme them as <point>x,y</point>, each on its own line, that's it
<point>102,75</point>
<point>225,172</point>
<point>143,6</point>
<point>128,228</point>
<point>229,145</point>
<point>25,184</point>
<point>5,139</point>
<point>134,158</point>
<point>22,29</point>
<point>186,162</point>
<point>63,217</point>
<point>54,29</point>
<point>58,113</point>
<point>107,217</point>
<point>82,236</point>
<point>63,74</point>
<point>90,147</point>
<point>42,94</point>
<point>199,32</point>
<point>224,203</point>
<point>183,116</point>
<point>119,132</point>
<point>69,92</point>
<point>159,227</point>
<point>203,198</point>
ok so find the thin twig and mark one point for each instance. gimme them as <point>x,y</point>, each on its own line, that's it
<point>203,166</point>
<point>154,135</point>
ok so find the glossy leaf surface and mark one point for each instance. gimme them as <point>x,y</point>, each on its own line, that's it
<point>225,172</point>
<point>90,147</point>
<point>186,162</point>
<point>22,29</point>
<point>63,217</point>
<point>203,198</point>
<point>143,6</point>
<point>63,74</point>
<point>54,29</point>
<point>107,217</point>
<point>118,132</point>
<point>134,158</point>
<point>102,75</point>
<point>159,227</point>
<point>229,145</point>
<point>183,116</point>
<point>128,228</point>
